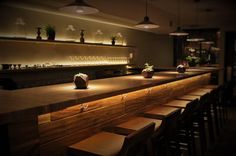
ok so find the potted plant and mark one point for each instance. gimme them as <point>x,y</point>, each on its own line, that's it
<point>50,32</point>
<point>192,60</point>
<point>113,40</point>
<point>180,68</point>
<point>148,71</point>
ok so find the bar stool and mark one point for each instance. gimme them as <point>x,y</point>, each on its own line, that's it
<point>215,105</point>
<point>184,122</point>
<point>205,108</point>
<point>218,105</point>
<point>106,143</point>
<point>161,140</point>
<point>139,122</point>
<point>226,99</point>
<point>197,119</point>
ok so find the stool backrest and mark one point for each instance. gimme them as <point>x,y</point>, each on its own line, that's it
<point>171,125</point>
<point>135,142</point>
<point>189,110</point>
<point>203,103</point>
<point>215,95</point>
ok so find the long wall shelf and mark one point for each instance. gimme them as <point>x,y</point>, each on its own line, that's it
<point>62,42</point>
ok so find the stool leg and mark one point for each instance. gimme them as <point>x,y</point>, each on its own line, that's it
<point>210,126</point>
<point>216,118</point>
<point>193,142</point>
<point>202,134</point>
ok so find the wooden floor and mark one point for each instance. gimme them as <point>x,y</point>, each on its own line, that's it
<point>226,142</point>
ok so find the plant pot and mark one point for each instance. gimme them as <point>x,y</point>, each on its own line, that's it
<point>180,69</point>
<point>51,36</point>
<point>147,74</point>
<point>81,81</point>
<point>191,64</point>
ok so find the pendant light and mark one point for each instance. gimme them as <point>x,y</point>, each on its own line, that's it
<point>178,31</point>
<point>197,37</point>
<point>79,7</point>
<point>146,23</point>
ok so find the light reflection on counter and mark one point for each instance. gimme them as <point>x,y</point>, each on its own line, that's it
<point>140,77</point>
<point>91,87</point>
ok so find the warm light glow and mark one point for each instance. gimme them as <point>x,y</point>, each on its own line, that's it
<point>95,60</point>
<point>79,11</point>
<point>91,87</point>
<point>195,39</point>
<point>130,102</point>
<point>140,77</point>
<point>171,72</point>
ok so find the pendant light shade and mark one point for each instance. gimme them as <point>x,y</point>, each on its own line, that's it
<point>79,7</point>
<point>146,23</point>
<point>208,42</point>
<point>178,32</point>
<point>197,39</point>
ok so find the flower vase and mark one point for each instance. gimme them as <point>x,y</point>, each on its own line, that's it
<point>147,74</point>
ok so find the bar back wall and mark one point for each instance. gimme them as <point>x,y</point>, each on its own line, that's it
<point>23,22</point>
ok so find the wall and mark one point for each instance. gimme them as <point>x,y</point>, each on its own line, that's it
<point>152,48</point>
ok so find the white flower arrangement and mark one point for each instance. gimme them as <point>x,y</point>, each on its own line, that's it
<point>70,28</point>
<point>148,68</point>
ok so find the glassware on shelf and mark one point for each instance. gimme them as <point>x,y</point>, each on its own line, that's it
<point>96,60</point>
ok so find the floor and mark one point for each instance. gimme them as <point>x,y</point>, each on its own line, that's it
<point>226,142</point>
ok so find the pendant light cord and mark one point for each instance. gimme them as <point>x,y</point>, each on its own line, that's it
<point>197,16</point>
<point>178,13</point>
<point>146,7</point>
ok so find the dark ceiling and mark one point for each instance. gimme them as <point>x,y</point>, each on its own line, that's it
<point>201,14</point>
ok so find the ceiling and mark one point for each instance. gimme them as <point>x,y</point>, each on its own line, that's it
<point>126,13</point>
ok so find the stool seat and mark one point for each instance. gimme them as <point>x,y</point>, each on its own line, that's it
<point>189,97</point>
<point>211,86</point>
<point>206,89</point>
<point>162,111</point>
<point>137,123</point>
<point>200,92</point>
<point>103,143</point>
<point>177,103</point>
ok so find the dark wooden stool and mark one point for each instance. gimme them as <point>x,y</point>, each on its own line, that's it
<point>163,139</point>
<point>106,143</point>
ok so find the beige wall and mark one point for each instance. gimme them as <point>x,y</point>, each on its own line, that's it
<point>153,48</point>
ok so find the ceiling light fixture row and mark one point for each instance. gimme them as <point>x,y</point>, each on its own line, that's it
<point>146,23</point>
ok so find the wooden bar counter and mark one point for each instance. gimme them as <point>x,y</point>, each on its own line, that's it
<point>45,120</point>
